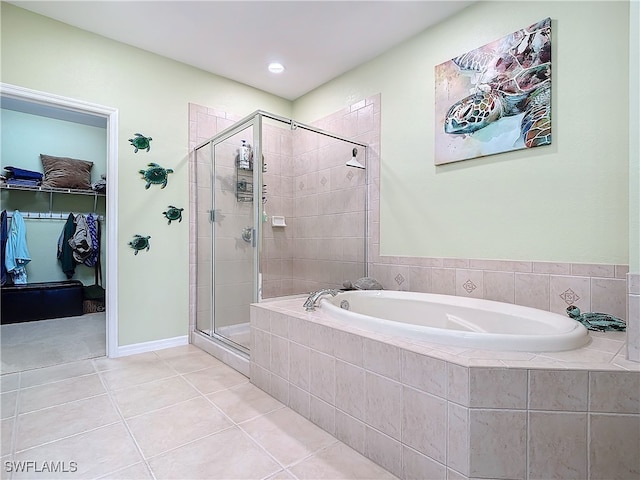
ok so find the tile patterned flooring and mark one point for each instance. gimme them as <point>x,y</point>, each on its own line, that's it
<point>177,413</point>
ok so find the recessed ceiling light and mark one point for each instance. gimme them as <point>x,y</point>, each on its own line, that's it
<point>276,67</point>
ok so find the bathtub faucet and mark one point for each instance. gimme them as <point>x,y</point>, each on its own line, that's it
<point>312,301</point>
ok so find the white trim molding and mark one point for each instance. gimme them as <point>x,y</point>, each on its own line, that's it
<point>144,347</point>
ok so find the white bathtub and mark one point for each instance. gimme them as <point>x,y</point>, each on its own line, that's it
<point>458,321</point>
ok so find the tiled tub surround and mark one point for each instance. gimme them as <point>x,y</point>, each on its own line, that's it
<point>426,411</point>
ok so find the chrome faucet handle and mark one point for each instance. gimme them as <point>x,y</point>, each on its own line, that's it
<point>312,301</point>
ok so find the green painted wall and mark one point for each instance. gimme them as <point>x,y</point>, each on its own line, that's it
<point>567,202</point>
<point>152,94</point>
<point>24,138</point>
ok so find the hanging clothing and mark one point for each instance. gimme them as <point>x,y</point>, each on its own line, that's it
<point>80,242</point>
<point>4,234</point>
<point>17,253</point>
<point>65,253</point>
<point>92,224</point>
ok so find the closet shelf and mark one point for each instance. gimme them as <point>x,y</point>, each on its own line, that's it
<point>72,191</point>
<point>53,190</point>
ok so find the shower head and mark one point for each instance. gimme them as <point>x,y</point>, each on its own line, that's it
<point>354,161</point>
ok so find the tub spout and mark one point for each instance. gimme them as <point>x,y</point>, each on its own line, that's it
<point>312,301</point>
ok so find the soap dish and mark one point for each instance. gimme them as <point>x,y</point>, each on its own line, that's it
<point>277,221</point>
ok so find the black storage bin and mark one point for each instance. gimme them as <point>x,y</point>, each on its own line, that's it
<point>40,301</point>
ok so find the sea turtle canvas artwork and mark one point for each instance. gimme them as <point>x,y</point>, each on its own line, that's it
<point>140,242</point>
<point>173,213</point>
<point>156,175</point>
<point>495,98</point>
<point>140,142</point>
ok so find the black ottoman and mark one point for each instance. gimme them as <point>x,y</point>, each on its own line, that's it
<point>40,301</point>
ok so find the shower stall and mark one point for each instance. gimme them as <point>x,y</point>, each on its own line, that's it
<point>281,211</point>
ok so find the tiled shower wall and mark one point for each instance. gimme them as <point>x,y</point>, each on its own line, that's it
<point>278,242</point>
<point>329,210</point>
<point>548,286</point>
<point>323,204</point>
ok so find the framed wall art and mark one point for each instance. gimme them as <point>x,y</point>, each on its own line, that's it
<point>495,98</point>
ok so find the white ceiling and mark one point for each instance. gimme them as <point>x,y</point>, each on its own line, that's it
<point>316,41</point>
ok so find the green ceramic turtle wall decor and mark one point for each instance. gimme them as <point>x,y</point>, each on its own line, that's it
<point>140,142</point>
<point>140,243</point>
<point>173,213</point>
<point>155,174</point>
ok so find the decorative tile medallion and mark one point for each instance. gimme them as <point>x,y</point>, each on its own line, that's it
<point>569,296</point>
<point>350,175</point>
<point>301,186</point>
<point>469,286</point>
<point>324,181</point>
<point>399,279</point>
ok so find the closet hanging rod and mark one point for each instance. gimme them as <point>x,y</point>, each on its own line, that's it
<point>50,215</point>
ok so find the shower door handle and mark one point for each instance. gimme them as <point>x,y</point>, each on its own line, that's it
<point>247,235</point>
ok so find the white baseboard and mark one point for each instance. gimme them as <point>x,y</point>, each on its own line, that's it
<point>151,346</point>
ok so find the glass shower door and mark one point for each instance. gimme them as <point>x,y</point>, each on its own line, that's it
<point>235,246</point>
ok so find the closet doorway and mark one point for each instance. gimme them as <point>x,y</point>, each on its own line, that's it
<point>44,212</point>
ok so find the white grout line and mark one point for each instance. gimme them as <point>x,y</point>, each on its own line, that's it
<point>126,426</point>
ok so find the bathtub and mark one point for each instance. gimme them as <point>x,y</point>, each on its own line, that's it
<point>457,321</point>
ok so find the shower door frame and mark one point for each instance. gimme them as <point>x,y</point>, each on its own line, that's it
<point>255,120</point>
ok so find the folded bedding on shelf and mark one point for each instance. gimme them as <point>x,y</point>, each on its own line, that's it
<point>22,182</point>
<point>22,174</point>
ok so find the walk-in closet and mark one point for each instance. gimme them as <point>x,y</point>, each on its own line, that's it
<point>54,223</point>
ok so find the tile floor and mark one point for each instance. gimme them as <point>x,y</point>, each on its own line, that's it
<point>177,413</point>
